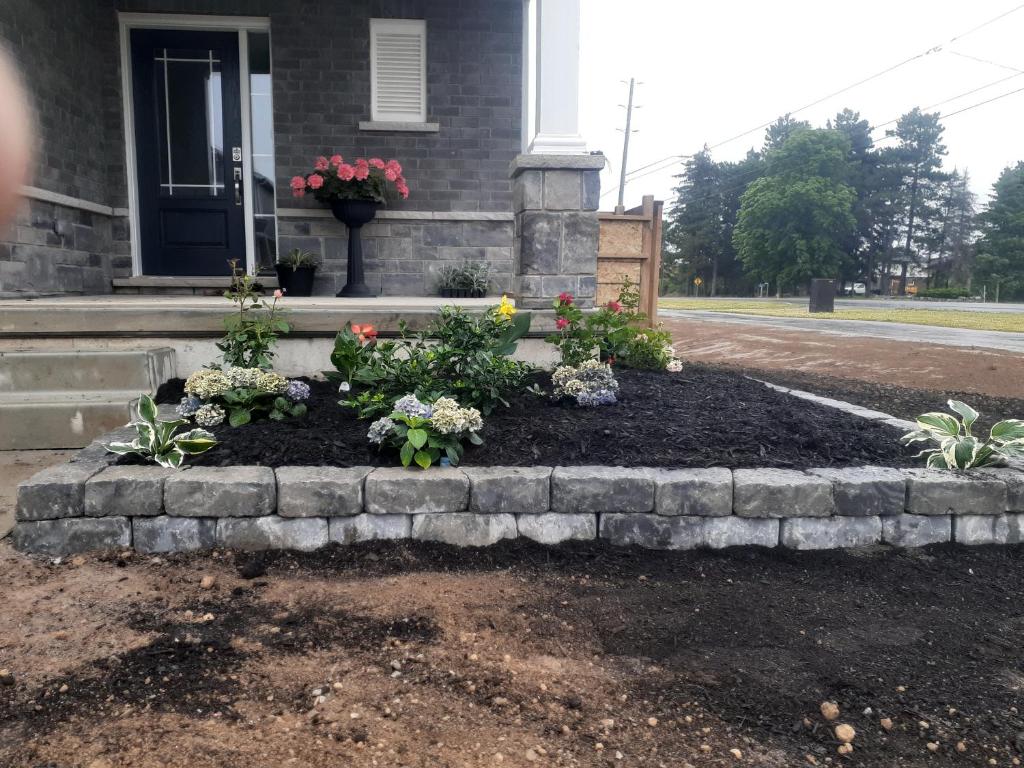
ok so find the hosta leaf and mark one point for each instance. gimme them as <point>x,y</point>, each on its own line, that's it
<point>418,437</point>
<point>963,452</point>
<point>147,409</point>
<point>968,414</point>
<point>1010,429</point>
<point>406,454</point>
<point>122,448</point>
<point>916,437</point>
<point>941,423</point>
<point>937,461</point>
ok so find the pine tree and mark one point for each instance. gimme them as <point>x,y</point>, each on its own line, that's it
<point>1000,259</point>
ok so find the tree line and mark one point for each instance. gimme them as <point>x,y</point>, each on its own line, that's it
<point>831,202</point>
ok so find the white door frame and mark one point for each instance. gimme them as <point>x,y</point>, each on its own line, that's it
<point>241,24</point>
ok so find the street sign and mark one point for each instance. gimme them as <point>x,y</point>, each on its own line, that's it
<point>698,282</point>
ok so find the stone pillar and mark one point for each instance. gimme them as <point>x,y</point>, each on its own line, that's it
<point>556,77</point>
<point>555,200</point>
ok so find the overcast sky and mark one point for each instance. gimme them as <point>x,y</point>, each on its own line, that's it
<point>711,70</point>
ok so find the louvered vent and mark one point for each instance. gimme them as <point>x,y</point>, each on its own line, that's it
<point>398,64</point>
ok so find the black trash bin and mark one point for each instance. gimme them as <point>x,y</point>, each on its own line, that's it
<point>823,295</point>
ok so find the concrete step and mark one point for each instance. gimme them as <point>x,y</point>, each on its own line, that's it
<point>85,370</point>
<point>47,419</point>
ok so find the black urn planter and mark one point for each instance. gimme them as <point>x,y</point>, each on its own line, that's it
<point>295,281</point>
<point>353,214</point>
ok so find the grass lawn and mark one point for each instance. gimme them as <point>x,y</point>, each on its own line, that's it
<point>946,318</point>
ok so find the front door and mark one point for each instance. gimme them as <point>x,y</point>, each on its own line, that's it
<point>188,149</point>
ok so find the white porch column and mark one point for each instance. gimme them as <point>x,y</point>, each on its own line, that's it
<point>556,78</point>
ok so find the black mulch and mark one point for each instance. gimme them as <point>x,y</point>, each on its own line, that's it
<point>902,402</point>
<point>702,417</point>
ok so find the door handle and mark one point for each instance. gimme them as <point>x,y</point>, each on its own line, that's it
<point>238,186</point>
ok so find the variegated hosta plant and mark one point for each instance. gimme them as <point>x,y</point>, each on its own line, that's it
<point>958,448</point>
<point>157,441</point>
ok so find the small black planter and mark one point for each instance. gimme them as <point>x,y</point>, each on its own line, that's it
<point>462,293</point>
<point>295,282</point>
<point>353,214</point>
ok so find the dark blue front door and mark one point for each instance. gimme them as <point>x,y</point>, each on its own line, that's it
<point>188,149</point>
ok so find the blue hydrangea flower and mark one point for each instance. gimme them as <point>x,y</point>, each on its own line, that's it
<point>188,407</point>
<point>297,391</point>
<point>380,430</point>
<point>411,406</point>
<point>590,399</point>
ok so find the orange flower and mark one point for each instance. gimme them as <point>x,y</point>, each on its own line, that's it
<point>369,331</point>
<point>357,329</point>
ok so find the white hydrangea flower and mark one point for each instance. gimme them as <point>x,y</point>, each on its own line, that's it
<point>449,418</point>
<point>268,381</point>
<point>207,384</point>
<point>243,377</point>
<point>210,415</point>
<point>675,365</point>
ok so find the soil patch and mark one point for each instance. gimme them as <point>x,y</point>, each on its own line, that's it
<point>413,654</point>
<point>702,417</point>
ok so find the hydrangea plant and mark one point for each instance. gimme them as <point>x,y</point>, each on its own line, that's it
<point>590,383</point>
<point>957,447</point>
<point>239,394</point>
<point>426,432</point>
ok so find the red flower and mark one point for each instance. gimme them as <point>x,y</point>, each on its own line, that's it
<point>560,323</point>
<point>298,185</point>
<point>565,298</point>
<point>336,160</point>
<point>321,163</point>
<point>315,181</point>
<point>614,306</point>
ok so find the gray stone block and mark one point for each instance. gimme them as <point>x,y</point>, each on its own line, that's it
<point>721,532</point>
<point>830,532</point>
<point>988,529</point>
<point>555,527</point>
<point>509,490</point>
<point>916,530</point>
<point>866,491</point>
<point>562,190</point>
<point>70,535</point>
<point>591,191</point>
<point>173,534</point>
<point>540,243</point>
<point>464,529</point>
<point>528,191</point>
<point>126,491</point>
<point>653,531</point>
<point>944,492</point>
<point>602,489</point>
<point>221,492</point>
<point>780,493</point>
<point>395,490</point>
<point>700,492</point>
<point>1014,479</point>
<point>273,532</point>
<point>320,491</point>
<point>55,492</point>
<point>367,527</point>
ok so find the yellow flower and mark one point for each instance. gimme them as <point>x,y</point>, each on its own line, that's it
<point>506,308</point>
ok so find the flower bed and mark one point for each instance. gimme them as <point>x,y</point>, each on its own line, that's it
<point>700,417</point>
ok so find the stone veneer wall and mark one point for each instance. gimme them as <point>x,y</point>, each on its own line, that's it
<point>403,255</point>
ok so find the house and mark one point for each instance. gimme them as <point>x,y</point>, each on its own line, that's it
<point>169,131</point>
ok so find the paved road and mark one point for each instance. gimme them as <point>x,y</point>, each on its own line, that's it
<point>957,306</point>
<point>922,334</point>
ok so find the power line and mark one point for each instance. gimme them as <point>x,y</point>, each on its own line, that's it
<point>986,61</point>
<point>876,75</point>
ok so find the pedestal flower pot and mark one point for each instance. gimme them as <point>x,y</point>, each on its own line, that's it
<point>353,214</point>
<point>295,282</point>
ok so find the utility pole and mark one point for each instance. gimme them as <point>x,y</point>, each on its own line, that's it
<point>620,208</point>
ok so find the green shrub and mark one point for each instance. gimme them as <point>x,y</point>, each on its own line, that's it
<point>944,293</point>
<point>250,333</point>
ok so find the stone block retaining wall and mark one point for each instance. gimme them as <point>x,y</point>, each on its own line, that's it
<point>90,503</point>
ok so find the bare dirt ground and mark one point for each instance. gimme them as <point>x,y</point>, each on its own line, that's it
<point>517,655</point>
<point>922,366</point>
<point>16,466</point>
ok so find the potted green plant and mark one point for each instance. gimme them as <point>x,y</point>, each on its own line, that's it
<point>354,192</point>
<point>469,280</point>
<point>295,272</point>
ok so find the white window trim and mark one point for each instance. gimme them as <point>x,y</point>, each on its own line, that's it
<point>404,26</point>
<point>241,24</point>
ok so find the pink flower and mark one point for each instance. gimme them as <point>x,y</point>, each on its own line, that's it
<point>346,172</point>
<point>614,306</point>
<point>560,323</point>
<point>278,294</point>
<point>315,181</point>
<point>376,162</point>
<point>336,160</point>
<point>565,298</point>
<point>403,189</point>
<point>298,185</point>
<point>321,163</point>
<point>391,174</point>
<point>362,169</point>
<point>393,165</point>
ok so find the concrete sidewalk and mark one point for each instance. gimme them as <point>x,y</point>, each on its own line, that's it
<point>16,466</point>
<point>920,334</point>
